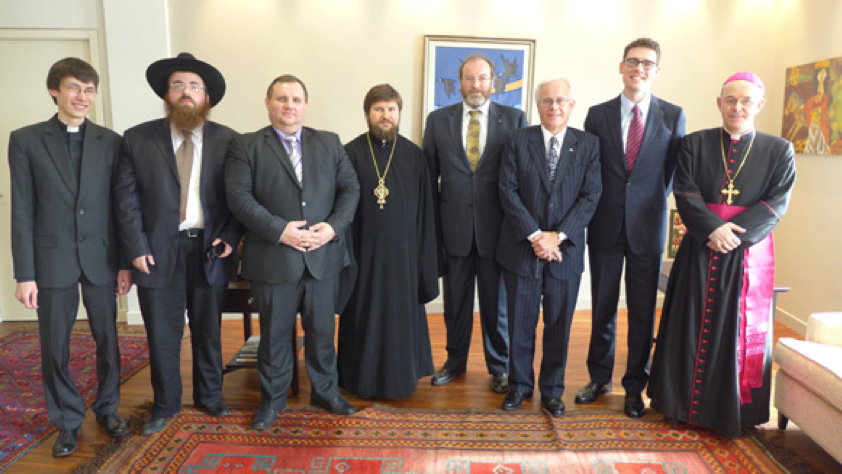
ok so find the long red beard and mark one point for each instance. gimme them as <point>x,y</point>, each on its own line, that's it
<point>184,117</point>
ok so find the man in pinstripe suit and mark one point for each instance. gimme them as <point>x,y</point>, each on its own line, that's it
<point>549,187</point>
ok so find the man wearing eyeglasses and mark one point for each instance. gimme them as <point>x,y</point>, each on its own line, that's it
<point>639,136</point>
<point>712,365</point>
<point>64,240</point>
<point>178,232</point>
<point>463,144</point>
<point>549,188</point>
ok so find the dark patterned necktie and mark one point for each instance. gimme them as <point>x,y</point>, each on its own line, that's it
<point>552,158</point>
<point>184,163</point>
<point>634,138</point>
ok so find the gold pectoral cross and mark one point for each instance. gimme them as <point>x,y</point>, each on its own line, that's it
<point>730,192</point>
<point>381,191</point>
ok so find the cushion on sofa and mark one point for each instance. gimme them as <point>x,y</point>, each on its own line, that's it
<point>818,366</point>
<point>825,328</point>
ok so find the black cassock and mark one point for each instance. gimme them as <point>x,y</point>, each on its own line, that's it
<point>695,375</point>
<point>384,340</point>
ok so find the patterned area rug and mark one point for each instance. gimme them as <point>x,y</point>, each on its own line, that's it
<point>385,440</point>
<point>23,414</point>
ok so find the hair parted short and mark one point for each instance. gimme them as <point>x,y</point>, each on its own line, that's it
<point>71,67</point>
<point>381,93</point>
<point>648,43</point>
<point>474,57</point>
<point>286,79</point>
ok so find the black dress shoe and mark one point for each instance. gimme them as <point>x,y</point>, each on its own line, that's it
<point>217,409</point>
<point>554,405</point>
<point>514,399</point>
<point>337,406</point>
<point>499,383</point>
<point>65,444</point>
<point>113,424</point>
<point>155,423</point>
<point>590,392</point>
<point>444,376</point>
<point>264,418</point>
<point>634,407</point>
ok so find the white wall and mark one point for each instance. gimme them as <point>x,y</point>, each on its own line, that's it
<point>808,255</point>
<point>342,47</point>
<point>131,35</point>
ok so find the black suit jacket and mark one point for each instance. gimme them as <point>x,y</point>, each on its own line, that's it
<point>531,203</point>
<point>467,202</point>
<point>265,195</point>
<point>636,201</point>
<point>63,228</point>
<point>148,193</point>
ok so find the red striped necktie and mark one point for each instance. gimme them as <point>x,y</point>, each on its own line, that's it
<point>634,138</point>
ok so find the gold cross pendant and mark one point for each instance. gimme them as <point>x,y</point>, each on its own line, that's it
<point>730,192</point>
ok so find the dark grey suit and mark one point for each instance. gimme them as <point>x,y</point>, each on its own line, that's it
<point>63,236</point>
<point>148,194</point>
<point>469,217</point>
<point>530,203</point>
<point>629,225</point>
<point>265,195</point>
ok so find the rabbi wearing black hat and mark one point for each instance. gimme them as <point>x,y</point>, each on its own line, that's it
<point>178,232</point>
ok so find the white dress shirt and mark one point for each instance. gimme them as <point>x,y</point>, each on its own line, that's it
<point>626,114</point>
<point>194,216</point>
<point>483,124</point>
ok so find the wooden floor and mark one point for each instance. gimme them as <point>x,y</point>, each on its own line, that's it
<point>241,390</point>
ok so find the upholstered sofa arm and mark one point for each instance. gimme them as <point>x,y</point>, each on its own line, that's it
<point>825,328</point>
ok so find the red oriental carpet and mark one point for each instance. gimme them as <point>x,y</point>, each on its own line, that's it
<point>23,414</point>
<point>385,440</point>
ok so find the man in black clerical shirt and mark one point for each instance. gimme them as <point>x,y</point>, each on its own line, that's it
<point>63,239</point>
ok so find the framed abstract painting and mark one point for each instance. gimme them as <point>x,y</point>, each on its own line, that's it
<point>513,61</point>
<point>812,117</point>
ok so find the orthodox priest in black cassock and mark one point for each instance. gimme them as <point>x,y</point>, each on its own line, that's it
<point>384,340</point>
<point>712,362</point>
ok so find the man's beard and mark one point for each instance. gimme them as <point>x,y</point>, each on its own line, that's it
<point>474,101</point>
<point>380,134</point>
<point>184,117</point>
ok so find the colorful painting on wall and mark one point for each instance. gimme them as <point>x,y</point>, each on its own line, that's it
<point>677,231</point>
<point>813,107</point>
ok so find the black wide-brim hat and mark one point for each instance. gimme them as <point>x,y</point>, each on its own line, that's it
<point>158,75</point>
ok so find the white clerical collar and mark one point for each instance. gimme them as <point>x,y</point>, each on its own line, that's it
<point>735,137</point>
<point>482,108</point>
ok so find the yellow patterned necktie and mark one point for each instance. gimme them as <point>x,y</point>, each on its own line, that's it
<point>472,140</point>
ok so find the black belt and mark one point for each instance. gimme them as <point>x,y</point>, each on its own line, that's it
<point>191,233</point>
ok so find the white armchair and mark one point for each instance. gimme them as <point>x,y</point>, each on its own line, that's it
<point>808,386</point>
